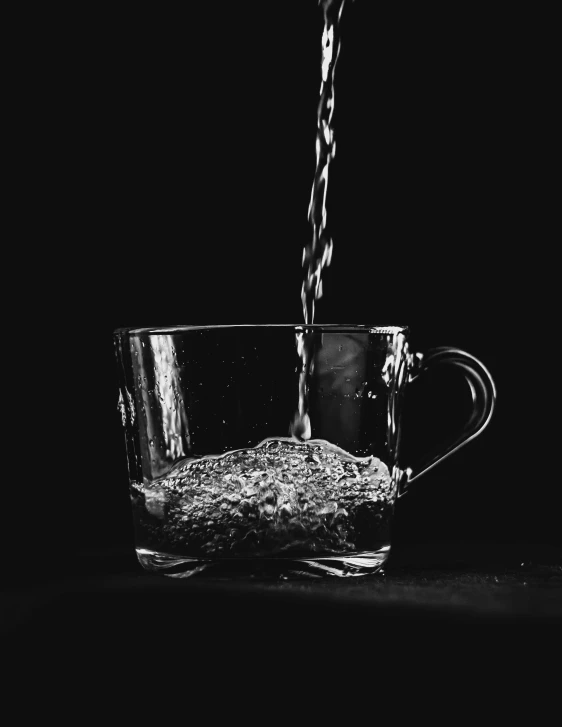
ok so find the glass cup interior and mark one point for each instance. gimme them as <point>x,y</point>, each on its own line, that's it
<point>218,477</point>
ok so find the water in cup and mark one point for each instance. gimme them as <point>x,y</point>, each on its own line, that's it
<point>280,499</point>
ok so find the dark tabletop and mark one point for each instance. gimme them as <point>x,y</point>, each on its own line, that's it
<point>458,583</point>
<point>480,611</point>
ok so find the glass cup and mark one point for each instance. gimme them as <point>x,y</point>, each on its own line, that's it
<point>219,486</point>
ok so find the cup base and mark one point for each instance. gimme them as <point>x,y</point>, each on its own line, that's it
<point>332,566</point>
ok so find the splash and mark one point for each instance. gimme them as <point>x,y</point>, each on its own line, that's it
<point>281,498</point>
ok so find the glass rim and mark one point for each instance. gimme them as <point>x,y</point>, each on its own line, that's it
<point>297,327</point>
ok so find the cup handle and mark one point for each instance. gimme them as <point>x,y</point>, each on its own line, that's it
<point>483,392</point>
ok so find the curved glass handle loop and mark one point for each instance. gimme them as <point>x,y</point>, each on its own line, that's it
<point>483,392</point>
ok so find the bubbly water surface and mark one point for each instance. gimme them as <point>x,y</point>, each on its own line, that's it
<point>283,498</point>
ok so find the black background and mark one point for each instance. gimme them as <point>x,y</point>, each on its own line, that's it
<point>178,169</point>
